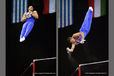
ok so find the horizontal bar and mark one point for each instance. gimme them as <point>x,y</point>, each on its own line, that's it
<point>45,73</point>
<point>44,59</point>
<point>94,63</point>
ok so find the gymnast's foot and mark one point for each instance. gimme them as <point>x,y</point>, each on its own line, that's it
<point>22,39</point>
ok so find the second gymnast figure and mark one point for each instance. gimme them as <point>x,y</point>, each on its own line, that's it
<point>79,38</point>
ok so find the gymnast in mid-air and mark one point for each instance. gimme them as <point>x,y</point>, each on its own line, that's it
<point>79,38</point>
<point>29,19</point>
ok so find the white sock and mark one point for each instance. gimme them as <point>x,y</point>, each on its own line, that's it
<point>22,39</point>
<point>91,8</point>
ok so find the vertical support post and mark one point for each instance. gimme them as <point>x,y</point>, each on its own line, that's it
<point>79,70</point>
<point>33,67</point>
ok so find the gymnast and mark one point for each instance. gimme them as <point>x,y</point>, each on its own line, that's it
<point>29,19</point>
<point>79,38</point>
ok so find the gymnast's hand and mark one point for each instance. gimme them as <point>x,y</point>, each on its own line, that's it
<point>72,48</point>
<point>24,17</point>
<point>82,41</point>
<point>29,14</point>
<point>68,50</point>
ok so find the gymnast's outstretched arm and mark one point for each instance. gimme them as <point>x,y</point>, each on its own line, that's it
<point>72,47</point>
<point>23,18</point>
<point>35,15</point>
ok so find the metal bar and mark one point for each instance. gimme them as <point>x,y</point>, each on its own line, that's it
<point>93,63</point>
<point>44,59</point>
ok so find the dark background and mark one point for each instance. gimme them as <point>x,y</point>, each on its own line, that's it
<point>94,49</point>
<point>40,43</point>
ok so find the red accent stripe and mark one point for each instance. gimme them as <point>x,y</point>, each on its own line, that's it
<point>91,3</point>
<point>34,68</point>
<point>79,71</point>
<point>46,7</point>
